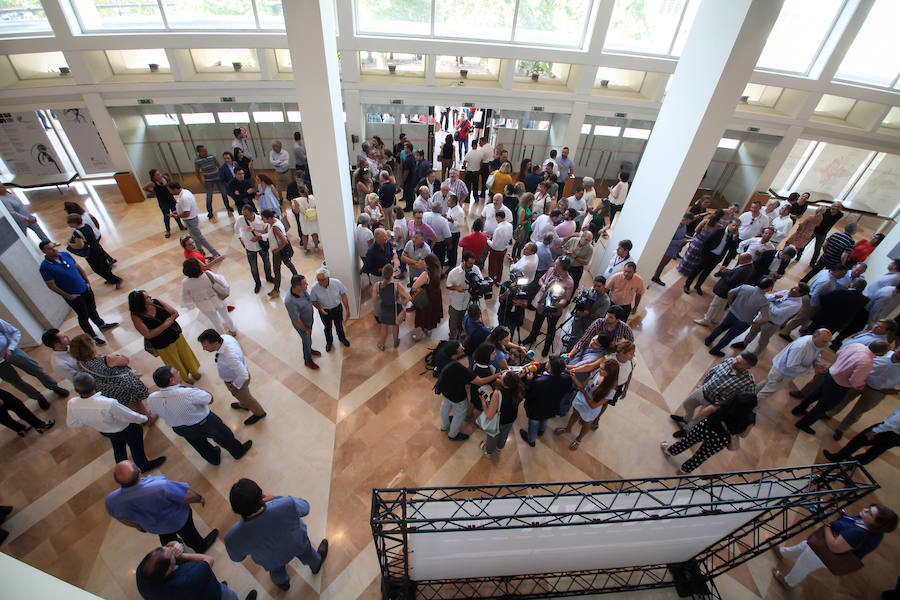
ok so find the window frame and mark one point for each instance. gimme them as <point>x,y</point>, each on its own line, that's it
<point>166,28</point>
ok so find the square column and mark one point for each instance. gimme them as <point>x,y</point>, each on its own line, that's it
<point>718,59</point>
<point>313,47</point>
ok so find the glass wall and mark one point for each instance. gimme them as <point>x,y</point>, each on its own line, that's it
<point>246,15</point>
<point>19,17</point>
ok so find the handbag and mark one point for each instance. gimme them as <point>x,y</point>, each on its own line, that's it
<point>490,180</point>
<point>521,235</point>
<point>837,564</point>
<point>420,298</point>
<point>148,347</point>
<point>219,285</point>
<point>489,426</point>
<point>311,214</point>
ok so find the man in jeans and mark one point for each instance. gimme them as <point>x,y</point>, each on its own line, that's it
<point>186,208</point>
<point>11,356</point>
<point>453,384</point>
<point>206,168</point>
<point>745,303</point>
<point>300,310</point>
<point>543,395</point>
<point>459,292</point>
<point>64,276</point>
<point>329,296</point>
<point>251,230</point>
<point>723,382</point>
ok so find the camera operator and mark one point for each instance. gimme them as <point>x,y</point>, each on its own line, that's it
<point>544,262</point>
<point>459,292</point>
<point>543,394</point>
<point>554,294</point>
<point>511,302</point>
<point>589,306</point>
<point>528,263</point>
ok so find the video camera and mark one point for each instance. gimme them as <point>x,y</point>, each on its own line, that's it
<point>582,300</point>
<point>516,284</point>
<point>479,287</point>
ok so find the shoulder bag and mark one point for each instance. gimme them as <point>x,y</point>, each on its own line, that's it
<point>521,235</point>
<point>420,298</point>
<point>310,214</point>
<point>837,564</point>
<point>490,180</point>
<point>219,285</point>
<point>489,426</point>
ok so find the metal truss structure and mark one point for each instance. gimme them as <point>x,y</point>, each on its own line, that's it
<point>784,501</point>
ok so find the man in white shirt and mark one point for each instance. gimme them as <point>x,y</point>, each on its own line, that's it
<point>114,421</point>
<point>423,200</point>
<point>800,357</point>
<point>527,264</point>
<point>441,227</point>
<point>441,196</point>
<point>185,409</point>
<point>579,203</point>
<point>186,209</point>
<point>782,306</point>
<point>240,141</point>
<point>250,230</point>
<point>757,245</point>
<point>459,292</point>
<point>364,235</point>
<point>456,217</point>
<point>62,363</point>
<point>489,214</point>
<point>498,244</point>
<point>620,258</point>
<point>752,222</point>
<point>487,155</point>
<point>23,218</point>
<point>782,224</point>
<point>329,297</point>
<point>472,165</point>
<point>541,226</point>
<point>233,370</point>
<point>281,162</point>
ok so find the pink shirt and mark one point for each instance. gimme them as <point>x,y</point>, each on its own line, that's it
<point>622,291</point>
<point>853,365</point>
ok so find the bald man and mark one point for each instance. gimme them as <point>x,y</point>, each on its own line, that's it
<point>153,504</point>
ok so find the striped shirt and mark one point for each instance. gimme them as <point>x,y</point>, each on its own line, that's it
<point>180,405</point>
<point>207,166</point>
<point>458,188</point>
<point>722,381</point>
<point>835,247</point>
<point>621,332</point>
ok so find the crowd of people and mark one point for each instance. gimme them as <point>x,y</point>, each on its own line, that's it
<point>531,243</point>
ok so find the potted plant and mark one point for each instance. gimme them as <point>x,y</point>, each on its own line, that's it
<point>536,72</point>
<point>237,66</point>
<point>463,73</point>
<point>154,67</point>
<point>392,69</point>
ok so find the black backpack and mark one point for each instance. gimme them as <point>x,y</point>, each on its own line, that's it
<point>438,358</point>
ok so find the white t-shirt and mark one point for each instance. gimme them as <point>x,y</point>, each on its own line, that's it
<point>502,237</point>
<point>457,277</point>
<point>782,226</point>
<point>579,205</point>
<point>473,159</point>
<point>618,194</point>
<point>186,203</point>
<point>364,236</point>
<point>247,231</point>
<point>528,266</point>
<point>487,153</point>
<point>272,237</point>
<point>751,226</point>
<point>490,220</point>
<point>459,218</point>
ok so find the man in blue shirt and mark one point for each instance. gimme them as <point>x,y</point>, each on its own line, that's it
<point>12,356</point>
<point>154,504</point>
<point>566,167</point>
<point>271,531</point>
<point>170,573</point>
<point>64,276</point>
<point>543,396</point>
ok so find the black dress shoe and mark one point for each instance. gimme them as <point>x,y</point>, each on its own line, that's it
<point>251,596</point>
<point>323,552</point>
<point>657,281</point>
<point>345,342</point>
<point>42,402</point>
<point>798,410</point>
<point>699,291</point>
<point>237,406</point>
<point>270,279</point>
<point>679,434</point>
<point>831,456</point>
<point>99,341</point>
<point>106,326</point>
<point>156,462</point>
<point>686,290</point>
<point>459,437</point>
<point>284,586</point>
<point>795,394</point>
<point>678,419</point>
<point>208,541</point>
<point>718,353</point>
<point>245,447</point>
<point>528,341</point>
<point>805,428</point>
<point>739,345</point>
<point>60,391</point>
<point>4,512</point>
<point>524,435</point>
<point>256,291</point>
<point>328,347</point>
<point>838,434</point>
<point>254,419</point>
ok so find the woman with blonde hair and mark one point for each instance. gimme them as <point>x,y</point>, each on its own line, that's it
<point>114,378</point>
<point>591,399</point>
<point>386,295</point>
<point>373,209</point>
<point>502,178</point>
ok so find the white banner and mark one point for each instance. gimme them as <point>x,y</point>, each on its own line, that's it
<point>79,127</point>
<point>24,145</point>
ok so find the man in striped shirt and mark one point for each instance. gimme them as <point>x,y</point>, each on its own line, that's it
<point>186,410</point>
<point>206,168</point>
<point>721,383</point>
<point>836,251</point>
<point>458,187</point>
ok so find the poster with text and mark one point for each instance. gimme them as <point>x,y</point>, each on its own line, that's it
<point>79,127</point>
<point>24,145</point>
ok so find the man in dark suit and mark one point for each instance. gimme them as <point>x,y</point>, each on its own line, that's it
<point>721,244</point>
<point>837,308</point>
<point>728,280</point>
<point>771,263</point>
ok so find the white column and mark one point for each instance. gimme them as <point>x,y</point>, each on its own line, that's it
<point>313,48</point>
<point>106,127</point>
<point>879,260</point>
<point>776,160</point>
<point>573,130</point>
<point>721,51</point>
<point>355,121</point>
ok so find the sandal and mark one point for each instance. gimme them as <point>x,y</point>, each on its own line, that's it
<point>574,445</point>
<point>168,235</point>
<point>23,432</point>
<point>396,343</point>
<point>45,426</point>
<point>560,430</point>
<point>380,347</point>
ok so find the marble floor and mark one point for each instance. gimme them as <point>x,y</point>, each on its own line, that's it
<point>366,419</point>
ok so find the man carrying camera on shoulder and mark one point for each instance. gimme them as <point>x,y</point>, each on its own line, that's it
<point>554,294</point>
<point>457,284</point>
<point>590,305</point>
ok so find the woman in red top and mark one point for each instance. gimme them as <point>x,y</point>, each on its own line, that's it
<point>190,251</point>
<point>462,130</point>
<point>476,241</point>
<point>864,248</point>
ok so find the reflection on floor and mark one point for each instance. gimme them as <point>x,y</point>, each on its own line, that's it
<point>366,419</point>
